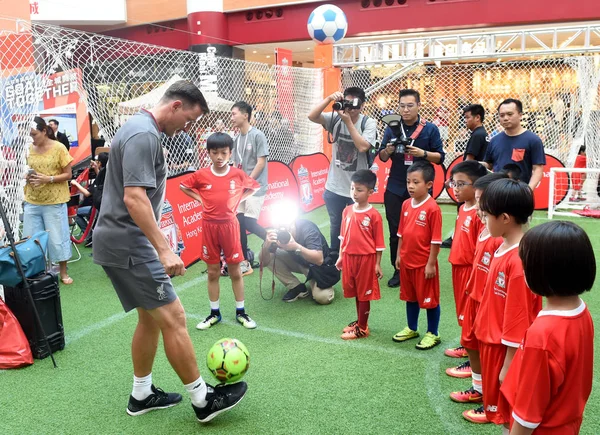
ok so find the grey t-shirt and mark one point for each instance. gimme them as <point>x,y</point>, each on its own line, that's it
<point>345,157</point>
<point>136,159</point>
<point>247,148</point>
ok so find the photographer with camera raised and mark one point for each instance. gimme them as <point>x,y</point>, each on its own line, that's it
<point>352,136</point>
<point>407,139</point>
<point>301,248</point>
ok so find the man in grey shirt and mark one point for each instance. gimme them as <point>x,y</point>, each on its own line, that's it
<point>136,256</point>
<point>250,152</point>
<point>352,140</point>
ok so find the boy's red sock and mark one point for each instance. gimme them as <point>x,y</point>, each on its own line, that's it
<point>363,308</point>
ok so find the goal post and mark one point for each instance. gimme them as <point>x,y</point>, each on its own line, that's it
<point>574,192</point>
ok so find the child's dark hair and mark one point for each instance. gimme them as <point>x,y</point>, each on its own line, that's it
<point>244,107</point>
<point>513,171</point>
<point>471,168</point>
<point>425,168</point>
<point>219,140</point>
<point>581,149</point>
<point>103,159</point>
<point>558,259</point>
<point>512,197</point>
<point>483,182</point>
<point>40,125</point>
<point>365,177</point>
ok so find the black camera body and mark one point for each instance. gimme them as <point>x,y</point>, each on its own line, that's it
<point>400,141</point>
<point>283,236</point>
<point>347,104</point>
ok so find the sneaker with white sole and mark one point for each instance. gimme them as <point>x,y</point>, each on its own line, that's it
<point>246,268</point>
<point>211,320</point>
<point>157,400</point>
<point>245,320</point>
<point>220,399</point>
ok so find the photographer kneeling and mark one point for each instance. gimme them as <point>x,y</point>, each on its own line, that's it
<point>300,248</point>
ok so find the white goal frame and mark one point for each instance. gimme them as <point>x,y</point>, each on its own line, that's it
<point>551,206</point>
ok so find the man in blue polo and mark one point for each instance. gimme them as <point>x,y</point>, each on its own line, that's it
<point>426,144</point>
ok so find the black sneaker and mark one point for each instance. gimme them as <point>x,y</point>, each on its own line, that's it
<point>394,280</point>
<point>157,400</point>
<point>220,399</point>
<point>447,243</point>
<point>298,292</point>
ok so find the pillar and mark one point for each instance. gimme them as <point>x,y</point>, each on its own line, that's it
<point>207,24</point>
<point>331,80</point>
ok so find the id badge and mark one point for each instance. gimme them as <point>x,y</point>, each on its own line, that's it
<point>408,159</point>
<point>239,166</point>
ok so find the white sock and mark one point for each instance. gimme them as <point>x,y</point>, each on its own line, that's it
<point>477,385</point>
<point>214,306</point>
<point>239,305</point>
<point>505,431</point>
<point>141,387</point>
<point>197,391</point>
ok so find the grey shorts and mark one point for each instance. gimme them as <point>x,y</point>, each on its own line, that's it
<point>144,285</point>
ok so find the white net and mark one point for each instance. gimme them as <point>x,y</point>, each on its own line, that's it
<point>118,77</point>
<point>559,95</point>
<point>574,192</point>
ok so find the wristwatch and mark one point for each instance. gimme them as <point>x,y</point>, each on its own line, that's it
<point>299,250</point>
<point>424,154</point>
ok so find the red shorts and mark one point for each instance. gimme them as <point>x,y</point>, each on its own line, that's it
<point>225,236</point>
<point>467,335</point>
<point>358,277</point>
<point>416,288</point>
<point>492,359</point>
<point>460,277</point>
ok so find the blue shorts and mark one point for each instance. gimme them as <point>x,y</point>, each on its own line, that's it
<point>51,218</point>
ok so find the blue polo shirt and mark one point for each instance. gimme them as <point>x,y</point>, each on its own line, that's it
<point>525,150</point>
<point>428,140</point>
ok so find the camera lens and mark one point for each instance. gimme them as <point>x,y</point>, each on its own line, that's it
<point>283,237</point>
<point>337,105</point>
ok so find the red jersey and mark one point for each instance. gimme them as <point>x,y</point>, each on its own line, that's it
<point>484,251</point>
<point>420,227</point>
<point>580,161</point>
<point>220,193</point>
<point>466,230</point>
<point>508,307</point>
<point>362,231</point>
<point>550,378</point>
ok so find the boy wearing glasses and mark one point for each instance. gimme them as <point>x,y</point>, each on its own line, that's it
<point>426,145</point>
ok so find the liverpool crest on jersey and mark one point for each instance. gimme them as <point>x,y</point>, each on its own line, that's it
<point>423,215</point>
<point>501,280</point>
<point>487,258</point>
<point>366,221</point>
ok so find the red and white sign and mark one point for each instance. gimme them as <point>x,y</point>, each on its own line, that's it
<point>311,174</point>
<point>282,187</point>
<point>542,190</point>
<point>285,84</point>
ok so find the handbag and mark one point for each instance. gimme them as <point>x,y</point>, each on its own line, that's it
<point>32,252</point>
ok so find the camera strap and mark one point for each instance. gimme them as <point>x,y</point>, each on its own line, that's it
<point>337,121</point>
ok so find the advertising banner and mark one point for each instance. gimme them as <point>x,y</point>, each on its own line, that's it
<point>311,174</point>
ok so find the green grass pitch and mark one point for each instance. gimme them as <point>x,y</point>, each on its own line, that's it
<point>303,378</point>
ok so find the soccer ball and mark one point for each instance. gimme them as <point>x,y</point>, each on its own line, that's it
<point>228,360</point>
<point>327,24</point>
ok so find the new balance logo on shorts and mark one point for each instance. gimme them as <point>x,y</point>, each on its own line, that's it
<point>492,408</point>
<point>368,292</point>
<point>427,300</point>
<point>461,317</point>
<point>235,256</point>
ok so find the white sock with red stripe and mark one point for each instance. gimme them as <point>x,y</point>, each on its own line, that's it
<point>477,384</point>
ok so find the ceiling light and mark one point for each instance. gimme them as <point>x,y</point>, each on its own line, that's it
<point>254,52</point>
<point>268,57</point>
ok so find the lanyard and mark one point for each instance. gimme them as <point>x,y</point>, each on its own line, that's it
<point>402,126</point>
<point>242,154</point>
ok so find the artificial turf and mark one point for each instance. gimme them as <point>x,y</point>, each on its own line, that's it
<point>303,378</point>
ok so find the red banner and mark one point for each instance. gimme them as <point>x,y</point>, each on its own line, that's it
<point>455,162</point>
<point>282,187</point>
<point>311,174</point>
<point>285,84</point>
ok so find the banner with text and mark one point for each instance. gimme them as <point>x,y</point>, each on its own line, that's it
<point>282,186</point>
<point>311,173</point>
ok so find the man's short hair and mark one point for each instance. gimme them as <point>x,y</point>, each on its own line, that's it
<point>243,107</point>
<point>471,168</point>
<point>510,101</point>
<point>425,168</point>
<point>355,92</point>
<point>188,93</point>
<point>103,159</point>
<point>54,121</point>
<point>219,140</point>
<point>411,93</point>
<point>475,110</point>
<point>365,177</point>
<point>512,197</point>
<point>483,182</point>
<point>558,259</point>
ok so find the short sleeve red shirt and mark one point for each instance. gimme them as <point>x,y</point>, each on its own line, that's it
<point>420,227</point>
<point>484,251</point>
<point>362,231</point>
<point>508,306</point>
<point>466,230</point>
<point>551,376</point>
<point>220,193</point>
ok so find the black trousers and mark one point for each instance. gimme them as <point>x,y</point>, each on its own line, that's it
<point>393,208</point>
<point>335,207</point>
<point>251,225</point>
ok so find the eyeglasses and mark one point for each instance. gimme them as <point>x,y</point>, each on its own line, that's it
<point>458,184</point>
<point>407,106</point>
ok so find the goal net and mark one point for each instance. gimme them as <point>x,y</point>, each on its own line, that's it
<point>574,192</point>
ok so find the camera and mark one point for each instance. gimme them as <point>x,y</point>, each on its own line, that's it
<point>347,104</point>
<point>283,236</point>
<point>400,141</point>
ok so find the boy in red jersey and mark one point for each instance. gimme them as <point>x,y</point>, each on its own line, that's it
<point>508,307</point>
<point>360,252</point>
<point>578,178</point>
<point>220,188</point>
<point>420,233</point>
<point>466,229</point>
<point>550,380</point>
<point>484,250</point>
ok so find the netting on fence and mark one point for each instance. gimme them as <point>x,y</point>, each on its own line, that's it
<point>115,78</point>
<point>559,95</point>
